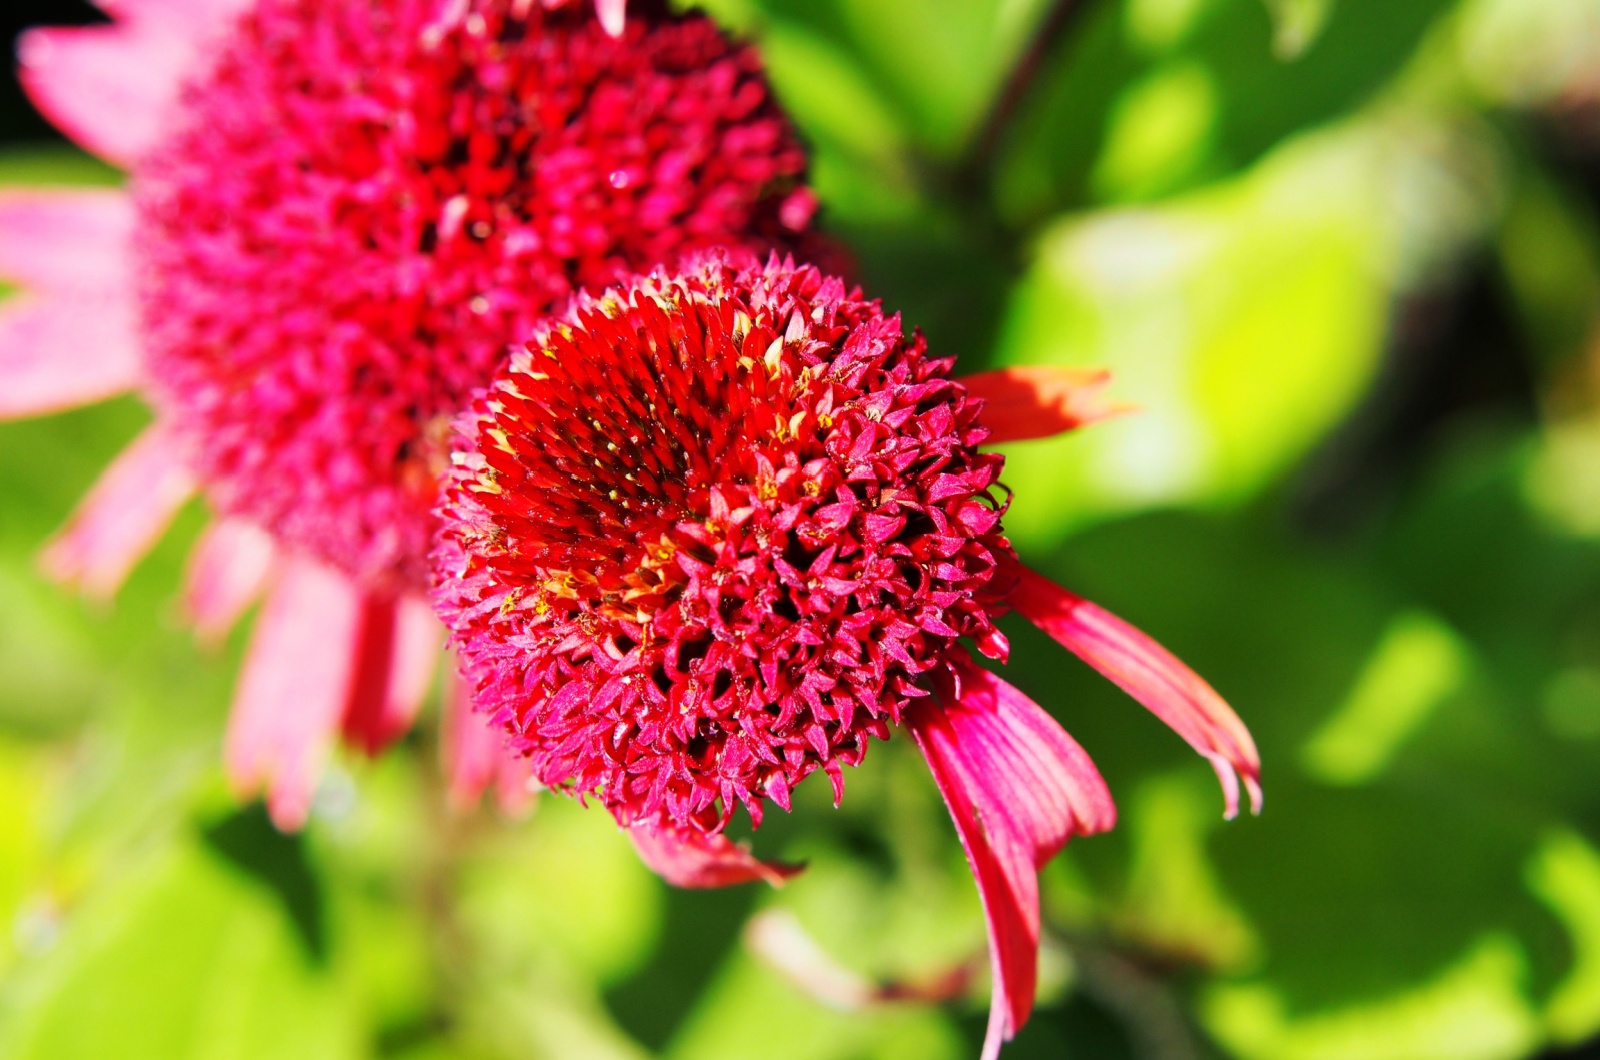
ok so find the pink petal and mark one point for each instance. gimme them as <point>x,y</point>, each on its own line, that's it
<point>687,857</point>
<point>110,88</point>
<point>228,571</point>
<point>418,643</point>
<point>613,15</point>
<point>1038,402</point>
<point>66,239</point>
<point>107,87</point>
<point>1150,674</point>
<point>294,688</point>
<point>57,354</point>
<point>201,16</point>
<point>475,755</point>
<point>1017,787</point>
<point>122,517</point>
<point>72,339</point>
<point>396,652</point>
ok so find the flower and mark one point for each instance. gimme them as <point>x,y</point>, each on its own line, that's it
<point>340,215</point>
<point>717,529</point>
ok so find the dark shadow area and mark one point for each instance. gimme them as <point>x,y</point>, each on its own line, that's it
<point>19,122</point>
<point>1078,1028</point>
<point>699,929</point>
<point>1454,353</point>
<point>248,841</point>
<point>1259,97</point>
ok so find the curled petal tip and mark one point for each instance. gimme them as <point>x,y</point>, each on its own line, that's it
<point>1151,675</point>
<point>1257,798</point>
<point>1231,780</point>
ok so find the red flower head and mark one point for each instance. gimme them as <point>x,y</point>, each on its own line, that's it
<point>343,211</point>
<point>718,529</point>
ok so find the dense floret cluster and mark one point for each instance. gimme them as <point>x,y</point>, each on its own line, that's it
<point>706,535</point>
<point>365,202</point>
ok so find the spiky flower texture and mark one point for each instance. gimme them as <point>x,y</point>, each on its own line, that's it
<point>719,528</point>
<point>379,239</point>
<point>342,213</point>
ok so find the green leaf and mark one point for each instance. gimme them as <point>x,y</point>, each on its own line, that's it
<point>1256,99</point>
<point>1472,1011</point>
<point>1243,321</point>
<point>180,956</point>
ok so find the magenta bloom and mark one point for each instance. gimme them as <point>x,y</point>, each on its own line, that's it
<point>341,213</point>
<point>717,529</point>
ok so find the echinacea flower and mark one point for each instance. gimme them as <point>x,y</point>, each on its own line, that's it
<point>340,214</point>
<point>717,529</point>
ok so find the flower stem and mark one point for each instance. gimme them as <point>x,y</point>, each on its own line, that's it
<point>978,159</point>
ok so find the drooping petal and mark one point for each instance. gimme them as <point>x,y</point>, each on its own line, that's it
<point>685,857</point>
<point>1150,674</point>
<point>396,652</point>
<point>70,337</point>
<point>228,571</point>
<point>418,644</point>
<point>109,87</point>
<point>1040,401</point>
<point>475,755</point>
<point>122,517</point>
<point>294,688</point>
<point>1017,787</point>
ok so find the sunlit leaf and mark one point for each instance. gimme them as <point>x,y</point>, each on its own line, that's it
<point>183,956</point>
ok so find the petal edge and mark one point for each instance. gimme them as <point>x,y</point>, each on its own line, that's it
<point>1041,401</point>
<point>1017,787</point>
<point>294,689</point>
<point>1150,674</point>
<point>122,517</point>
<point>685,857</point>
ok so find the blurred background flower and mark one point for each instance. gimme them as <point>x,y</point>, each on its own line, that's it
<point>1345,256</point>
<point>338,217</point>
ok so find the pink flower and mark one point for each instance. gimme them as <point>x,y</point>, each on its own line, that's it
<point>715,530</point>
<point>341,212</point>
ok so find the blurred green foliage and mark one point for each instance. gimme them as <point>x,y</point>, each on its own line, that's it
<point>1343,254</point>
